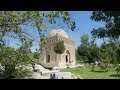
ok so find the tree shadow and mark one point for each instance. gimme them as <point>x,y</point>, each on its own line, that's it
<point>115,75</point>
<point>99,71</point>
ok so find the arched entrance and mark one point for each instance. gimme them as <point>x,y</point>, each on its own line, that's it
<point>67,57</point>
<point>47,56</point>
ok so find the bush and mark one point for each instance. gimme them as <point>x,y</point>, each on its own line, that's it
<point>36,55</point>
<point>10,59</point>
<point>59,47</point>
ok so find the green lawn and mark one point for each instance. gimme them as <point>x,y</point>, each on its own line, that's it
<point>86,73</point>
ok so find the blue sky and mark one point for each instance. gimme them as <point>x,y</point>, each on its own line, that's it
<point>83,25</point>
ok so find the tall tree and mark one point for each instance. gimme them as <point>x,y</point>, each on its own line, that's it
<point>85,39</point>
<point>88,49</point>
<point>112,24</point>
<point>11,60</point>
<point>12,23</point>
<point>83,49</point>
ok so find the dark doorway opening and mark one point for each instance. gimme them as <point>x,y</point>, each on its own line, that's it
<point>48,58</point>
<point>66,58</point>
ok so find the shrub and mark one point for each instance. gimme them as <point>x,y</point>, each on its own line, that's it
<point>59,47</point>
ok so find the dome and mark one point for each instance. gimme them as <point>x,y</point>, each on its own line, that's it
<point>58,32</point>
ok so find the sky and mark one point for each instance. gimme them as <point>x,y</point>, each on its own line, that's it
<point>83,25</point>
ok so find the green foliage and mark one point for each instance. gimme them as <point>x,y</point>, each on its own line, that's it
<point>83,48</point>
<point>88,49</point>
<point>11,59</point>
<point>107,53</point>
<point>77,56</point>
<point>118,69</point>
<point>16,74</point>
<point>110,52</point>
<point>85,39</point>
<point>36,55</point>
<point>112,24</point>
<point>59,47</point>
<point>85,58</point>
<point>12,23</point>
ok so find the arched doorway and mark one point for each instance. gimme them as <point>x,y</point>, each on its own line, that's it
<point>47,56</point>
<point>67,57</point>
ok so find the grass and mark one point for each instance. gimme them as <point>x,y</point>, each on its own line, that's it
<point>86,73</point>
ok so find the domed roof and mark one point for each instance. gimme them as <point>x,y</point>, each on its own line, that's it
<point>58,32</point>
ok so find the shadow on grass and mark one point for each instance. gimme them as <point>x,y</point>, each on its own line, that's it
<point>99,71</point>
<point>115,75</point>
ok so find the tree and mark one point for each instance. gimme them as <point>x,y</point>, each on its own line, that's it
<point>85,39</point>
<point>36,55</point>
<point>109,51</point>
<point>88,50</point>
<point>11,60</point>
<point>112,24</point>
<point>83,49</point>
<point>12,23</point>
<point>118,55</point>
<point>59,47</point>
<point>77,56</point>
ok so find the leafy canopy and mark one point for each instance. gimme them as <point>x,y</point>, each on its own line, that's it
<point>112,24</point>
<point>59,47</point>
